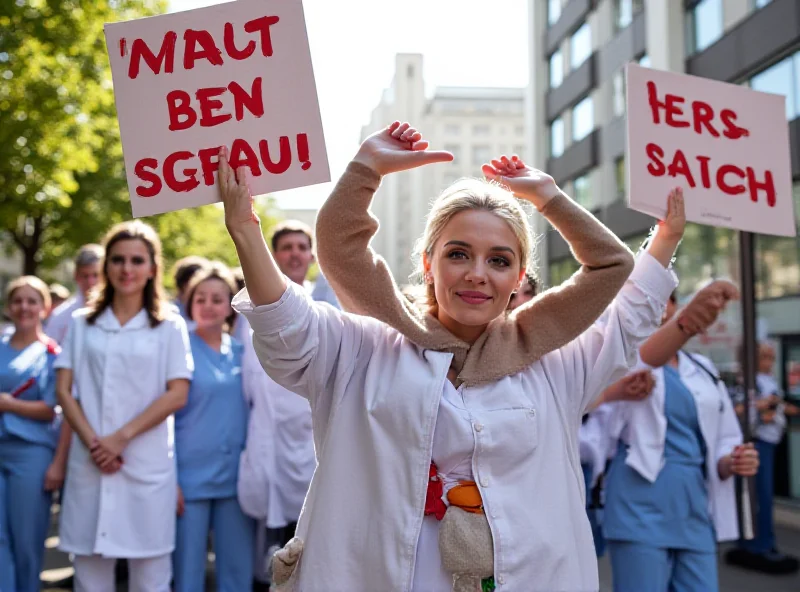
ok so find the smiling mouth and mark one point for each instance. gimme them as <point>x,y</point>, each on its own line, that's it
<point>473,297</point>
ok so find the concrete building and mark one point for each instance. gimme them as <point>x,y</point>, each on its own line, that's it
<point>576,113</point>
<point>475,124</point>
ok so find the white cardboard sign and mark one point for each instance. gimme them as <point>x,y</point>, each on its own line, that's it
<point>726,145</point>
<point>236,74</point>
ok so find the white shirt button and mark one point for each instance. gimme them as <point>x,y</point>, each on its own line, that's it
<point>532,412</point>
<point>478,427</point>
<point>485,482</point>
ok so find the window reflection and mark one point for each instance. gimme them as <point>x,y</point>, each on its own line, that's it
<point>580,46</point>
<point>582,189</point>
<point>582,119</point>
<point>557,138</point>
<point>705,24</point>
<point>556,69</point>
<point>553,11</point>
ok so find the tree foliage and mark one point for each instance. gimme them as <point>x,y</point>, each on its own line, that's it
<point>62,177</point>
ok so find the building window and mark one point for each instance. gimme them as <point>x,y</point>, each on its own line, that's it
<point>556,69</point>
<point>582,119</point>
<point>782,78</point>
<point>480,130</point>
<point>581,190</point>
<point>705,24</point>
<point>619,176</point>
<point>624,10</point>
<point>618,83</point>
<point>580,46</point>
<point>452,129</point>
<point>557,138</point>
<point>762,3</point>
<point>553,11</point>
<point>778,261</point>
<point>481,154</point>
<point>644,61</point>
<point>455,150</point>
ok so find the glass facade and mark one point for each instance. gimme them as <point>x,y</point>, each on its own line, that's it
<point>582,119</point>
<point>580,47</point>
<point>704,24</point>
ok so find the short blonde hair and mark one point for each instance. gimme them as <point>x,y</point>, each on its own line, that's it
<point>30,281</point>
<point>466,195</point>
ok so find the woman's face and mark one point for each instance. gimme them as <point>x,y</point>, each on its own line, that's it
<point>766,358</point>
<point>129,266</point>
<point>475,265</point>
<point>211,304</point>
<point>26,308</point>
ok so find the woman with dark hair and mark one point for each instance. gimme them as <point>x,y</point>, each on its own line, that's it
<point>128,356</point>
<point>27,440</point>
<point>210,435</point>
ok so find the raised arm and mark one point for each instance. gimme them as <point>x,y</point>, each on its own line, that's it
<point>695,318</point>
<point>360,278</point>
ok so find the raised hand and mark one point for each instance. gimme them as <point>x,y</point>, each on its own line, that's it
<point>674,224</point>
<point>525,182</point>
<point>235,192</point>
<point>398,147</point>
<point>704,308</point>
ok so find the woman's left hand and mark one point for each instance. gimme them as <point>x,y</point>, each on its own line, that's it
<point>525,182</point>
<point>744,460</point>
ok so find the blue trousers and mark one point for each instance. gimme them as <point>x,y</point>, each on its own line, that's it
<point>594,514</point>
<point>640,568</point>
<point>764,541</point>
<point>234,539</point>
<point>24,513</point>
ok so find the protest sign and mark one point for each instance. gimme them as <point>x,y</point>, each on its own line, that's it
<point>726,145</point>
<point>236,74</point>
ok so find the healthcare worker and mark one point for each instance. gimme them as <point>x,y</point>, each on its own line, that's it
<point>670,495</point>
<point>210,433</point>
<point>27,439</point>
<point>461,400</point>
<point>128,355</point>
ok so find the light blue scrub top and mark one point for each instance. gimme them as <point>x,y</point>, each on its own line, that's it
<point>16,367</point>
<point>673,512</point>
<point>210,431</point>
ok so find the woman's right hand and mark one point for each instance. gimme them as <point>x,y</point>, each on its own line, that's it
<point>398,147</point>
<point>235,192</point>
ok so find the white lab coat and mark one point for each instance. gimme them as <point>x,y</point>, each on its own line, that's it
<point>117,373</point>
<point>375,397</point>
<point>643,426</point>
<point>593,441</point>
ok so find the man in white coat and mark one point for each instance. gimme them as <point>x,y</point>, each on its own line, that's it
<point>284,418</point>
<point>87,274</point>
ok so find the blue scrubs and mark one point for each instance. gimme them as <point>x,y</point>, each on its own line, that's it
<point>660,535</point>
<point>210,433</point>
<point>26,451</point>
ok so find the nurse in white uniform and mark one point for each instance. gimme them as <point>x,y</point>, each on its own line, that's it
<point>384,408</point>
<point>128,356</point>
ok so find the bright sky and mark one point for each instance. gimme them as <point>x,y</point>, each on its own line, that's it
<point>353,45</point>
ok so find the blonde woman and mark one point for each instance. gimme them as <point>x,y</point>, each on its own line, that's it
<point>458,395</point>
<point>27,439</point>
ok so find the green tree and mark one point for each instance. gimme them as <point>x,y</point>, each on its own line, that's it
<point>62,180</point>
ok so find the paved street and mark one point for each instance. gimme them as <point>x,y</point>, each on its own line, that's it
<point>731,579</point>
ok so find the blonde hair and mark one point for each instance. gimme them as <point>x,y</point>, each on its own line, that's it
<point>466,195</point>
<point>30,281</point>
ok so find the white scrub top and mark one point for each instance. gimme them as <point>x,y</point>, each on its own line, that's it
<point>118,371</point>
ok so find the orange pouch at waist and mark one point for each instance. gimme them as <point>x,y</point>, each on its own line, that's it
<point>466,496</point>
